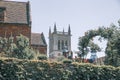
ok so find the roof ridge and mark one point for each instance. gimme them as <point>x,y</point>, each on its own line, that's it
<point>15,1</point>
<point>36,33</point>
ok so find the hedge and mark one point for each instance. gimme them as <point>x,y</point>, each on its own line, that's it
<point>16,69</point>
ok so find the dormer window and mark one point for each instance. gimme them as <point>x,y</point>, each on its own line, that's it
<point>2,14</point>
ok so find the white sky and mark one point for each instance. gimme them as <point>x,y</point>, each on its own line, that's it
<point>82,15</point>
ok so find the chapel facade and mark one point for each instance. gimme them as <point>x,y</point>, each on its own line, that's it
<point>59,41</point>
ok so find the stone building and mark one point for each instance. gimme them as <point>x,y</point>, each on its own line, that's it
<point>15,18</point>
<point>38,42</point>
<point>59,42</point>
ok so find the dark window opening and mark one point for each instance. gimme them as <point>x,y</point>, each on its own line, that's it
<point>62,44</point>
<point>66,43</point>
<point>2,14</point>
<point>58,44</point>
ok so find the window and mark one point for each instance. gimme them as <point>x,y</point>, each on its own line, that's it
<point>58,44</point>
<point>2,12</point>
<point>66,44</point>
<point>62,44</point>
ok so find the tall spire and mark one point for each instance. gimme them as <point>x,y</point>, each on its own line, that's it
<point>63,31</point>
<point>55,30</point>
<point>69,30</point>
<point>49,30</point>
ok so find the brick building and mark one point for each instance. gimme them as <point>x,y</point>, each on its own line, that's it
<point>15,18</point>
<point>38,42</point>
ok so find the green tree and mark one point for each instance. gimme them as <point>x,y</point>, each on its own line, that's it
<point>19,49</point>
<point>94,47</point>
<point>111,34</point>
<point>3,44</point>
<point>113,50</point>
<point>12,45</point>
<point>23,50</point>
<point>83,42</point>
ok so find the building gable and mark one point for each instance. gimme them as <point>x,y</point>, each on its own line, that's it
<point>38,42</point>
<point>38,39</point>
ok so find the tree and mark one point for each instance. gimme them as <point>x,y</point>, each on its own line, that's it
<point>113,50</point>
<point>19,49</point>
<point>93,47</point>
<point>83,42</point>
<point>111,34</point>
<point>23,50</point>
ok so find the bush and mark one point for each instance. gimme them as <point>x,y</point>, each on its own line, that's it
<point>67,61</point>
<point>43,57</point>
<point>17,69</point>
<point>19,49</point>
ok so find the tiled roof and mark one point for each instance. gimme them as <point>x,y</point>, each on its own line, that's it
<point>38,39</point>
<point>16,12</point>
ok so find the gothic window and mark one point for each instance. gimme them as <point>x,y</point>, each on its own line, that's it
<point>58,44</point>
<point>66,43</point>
<point>2,14</point>
<point>62,44</point>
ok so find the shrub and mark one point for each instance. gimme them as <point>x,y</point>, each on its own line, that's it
<point>43,57</point>
<point>67,61</point>
<point>17,69</point>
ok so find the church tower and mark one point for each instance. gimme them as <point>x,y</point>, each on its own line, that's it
<point>59,40</point>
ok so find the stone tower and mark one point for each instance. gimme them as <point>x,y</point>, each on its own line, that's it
<point>59,40</point>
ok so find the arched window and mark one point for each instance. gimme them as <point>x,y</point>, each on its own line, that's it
<point>62,44</point>
<point>66,43</point>
<point>58,44</point>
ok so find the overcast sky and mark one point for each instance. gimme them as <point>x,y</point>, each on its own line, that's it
<point>82,15</point>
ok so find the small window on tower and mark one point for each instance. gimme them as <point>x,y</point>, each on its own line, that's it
<point>66,43</point>
<point>2,14</point>
<point>58,44</point>
<point>62,44</point>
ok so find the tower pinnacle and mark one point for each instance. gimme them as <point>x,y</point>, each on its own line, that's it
<point>49,30</point>
<point>63,31</point>
<point>69,30</point>
<point>55,30</point>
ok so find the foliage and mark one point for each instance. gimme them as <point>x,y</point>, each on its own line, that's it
<point>67,61</point>
<point>7,46</point>
<point>85,41</point>
<point>16,69</point>
<point>113,50</point>
<point>23,50</point>
<point>111,34</point>
<point>42,57</point>
<point>60,58</point>
<point>94,47</point>
<point>19,48</point>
